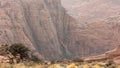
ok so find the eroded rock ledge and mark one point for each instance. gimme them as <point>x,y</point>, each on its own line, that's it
<point>112,56</point>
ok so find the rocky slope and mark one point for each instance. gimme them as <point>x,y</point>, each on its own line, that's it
<point>46,28</point>
<point>95,38</point>
<point>98,28</point>
<point>42,25</point>
<point>112,56</point>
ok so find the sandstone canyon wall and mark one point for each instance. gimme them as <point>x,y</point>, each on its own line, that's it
<point>42,25</point>
<point>46,28</point>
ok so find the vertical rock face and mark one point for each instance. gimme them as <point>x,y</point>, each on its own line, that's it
<point>46,28</point>
<point>42,25</point>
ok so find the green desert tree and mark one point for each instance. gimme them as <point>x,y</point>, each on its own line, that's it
<point>19,48</point>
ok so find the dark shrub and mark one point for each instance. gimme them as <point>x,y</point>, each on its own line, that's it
<point>19,48</point>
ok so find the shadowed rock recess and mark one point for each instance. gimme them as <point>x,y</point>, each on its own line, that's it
<point>42,25</point>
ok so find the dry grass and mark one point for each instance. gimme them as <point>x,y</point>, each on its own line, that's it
<point>58,65</point>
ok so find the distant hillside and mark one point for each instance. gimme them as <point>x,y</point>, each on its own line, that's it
<point>92,10</point>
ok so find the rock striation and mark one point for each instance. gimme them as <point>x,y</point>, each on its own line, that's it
<point>43,25</point>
